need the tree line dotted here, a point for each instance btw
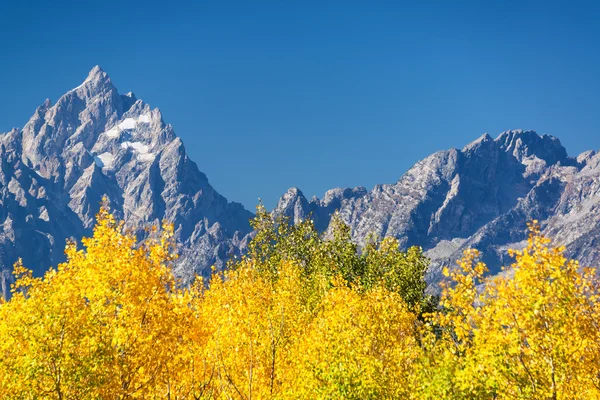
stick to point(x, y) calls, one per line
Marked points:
point(300, 316)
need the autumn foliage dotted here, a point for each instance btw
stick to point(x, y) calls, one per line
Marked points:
point(302, 316)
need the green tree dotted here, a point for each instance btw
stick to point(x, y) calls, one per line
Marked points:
point(380, 263)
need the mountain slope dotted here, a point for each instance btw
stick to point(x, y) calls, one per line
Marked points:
point(96, 142)
point(481, 196)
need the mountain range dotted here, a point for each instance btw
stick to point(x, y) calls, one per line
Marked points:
point(95, 141)
point(481, 196)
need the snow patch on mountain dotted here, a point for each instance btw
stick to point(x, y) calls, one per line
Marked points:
point(104, 160)
point(126, 125)
point(144, 119)
point(54, 173)
point(137, 146)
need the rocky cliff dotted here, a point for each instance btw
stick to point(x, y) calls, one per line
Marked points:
point(481, 196)
point(95, 142)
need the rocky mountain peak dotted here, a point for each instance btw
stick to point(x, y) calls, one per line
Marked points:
point(96, 87)
point(293, 204)
point(95, 142)
point(526, 144)
point(293, 193)
point(45, 106)
point(97, 75)
point(482, 141)
point(481, 197)
point(586, 156)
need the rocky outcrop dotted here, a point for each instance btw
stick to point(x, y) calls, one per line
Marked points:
point(481, 196)
point(95, 142)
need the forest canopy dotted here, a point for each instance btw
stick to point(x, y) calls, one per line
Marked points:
point(301, 316)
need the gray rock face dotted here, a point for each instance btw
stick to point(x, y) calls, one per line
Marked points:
point(479, 197)
point(96, 142)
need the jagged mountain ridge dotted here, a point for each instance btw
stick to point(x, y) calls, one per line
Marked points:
point(481, 196)
point(94, 142)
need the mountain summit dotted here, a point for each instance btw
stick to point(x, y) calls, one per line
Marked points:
point(94, 142)
point(481, 196)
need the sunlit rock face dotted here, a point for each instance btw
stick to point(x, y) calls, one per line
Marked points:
point(481, 196)
point(95, 142)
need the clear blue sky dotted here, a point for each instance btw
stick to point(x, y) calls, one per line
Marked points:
point(272, 94)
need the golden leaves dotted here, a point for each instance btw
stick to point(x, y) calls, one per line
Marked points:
point(299, 317)
point(529, 333)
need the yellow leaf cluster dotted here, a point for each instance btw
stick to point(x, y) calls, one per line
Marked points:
point(300, 318)
point(529, 333)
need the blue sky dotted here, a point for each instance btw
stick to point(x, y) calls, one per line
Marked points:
point(272, 94)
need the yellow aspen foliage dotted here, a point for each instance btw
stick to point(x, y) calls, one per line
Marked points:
point(300, 317)
point(358, 346)
point(529, 333)
point(105, 324)
point(250, 323)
